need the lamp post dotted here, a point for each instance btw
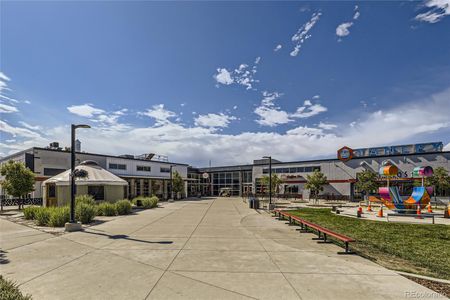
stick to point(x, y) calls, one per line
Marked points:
point(270, 180)
point(171, 184)
point(72, 226)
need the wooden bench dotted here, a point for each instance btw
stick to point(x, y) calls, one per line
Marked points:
point(304, 224)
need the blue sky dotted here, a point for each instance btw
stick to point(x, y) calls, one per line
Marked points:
point(225, 81)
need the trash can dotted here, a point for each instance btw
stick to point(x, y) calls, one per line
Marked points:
point(256, 204)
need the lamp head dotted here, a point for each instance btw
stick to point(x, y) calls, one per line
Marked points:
point(82, 126)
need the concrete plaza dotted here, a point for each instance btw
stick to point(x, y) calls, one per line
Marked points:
point(204, 249)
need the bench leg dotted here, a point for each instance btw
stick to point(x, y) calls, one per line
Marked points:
point(347, 250)
point(325, 241)
point(318, 237)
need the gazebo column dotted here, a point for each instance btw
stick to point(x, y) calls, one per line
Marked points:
point(132, 188)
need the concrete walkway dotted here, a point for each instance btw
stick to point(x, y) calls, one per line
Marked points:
point(206, 249)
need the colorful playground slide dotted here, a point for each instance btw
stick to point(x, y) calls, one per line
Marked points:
point(419, 196)
point(391, 197)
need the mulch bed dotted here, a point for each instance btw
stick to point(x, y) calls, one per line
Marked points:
point(439, 287)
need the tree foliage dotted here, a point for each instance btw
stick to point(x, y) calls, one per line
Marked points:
point(440, 180)
point(276, 182)
point(315, 183)
point(177, 183)
point(18, 180)
point(367, 181)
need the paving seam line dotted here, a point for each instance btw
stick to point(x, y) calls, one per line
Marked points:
point(205, 213)
point(278, 267)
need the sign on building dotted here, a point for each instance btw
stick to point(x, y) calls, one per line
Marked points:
point(346, 153)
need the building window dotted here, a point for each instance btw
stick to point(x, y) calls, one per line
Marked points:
point(144, 168)
point(118, 166)
point(165, 170)
point(52, 171)
point(97, 191)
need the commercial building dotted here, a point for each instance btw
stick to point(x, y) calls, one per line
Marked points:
point(144, 175)
point(341, 172)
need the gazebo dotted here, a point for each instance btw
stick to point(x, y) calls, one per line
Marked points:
point(99, 183)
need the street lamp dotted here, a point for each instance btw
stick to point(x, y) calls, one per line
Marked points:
point(72, 226)
point(270, 179)
point(171, 184)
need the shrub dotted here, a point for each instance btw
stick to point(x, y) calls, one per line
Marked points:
point(42, 216)
point(154, 200)
point(138, 201)
point(85, 213)
point(59, 216)
point(9, 290)
point(123, 207)
point(106, 209)
point(29, 212)
point(87, 199)
point(149, 202)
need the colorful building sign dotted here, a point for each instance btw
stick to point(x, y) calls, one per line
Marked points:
point(346, 153)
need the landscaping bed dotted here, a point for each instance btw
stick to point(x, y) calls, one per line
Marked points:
point(415, 248)
point(10, 291)
point(86, 209)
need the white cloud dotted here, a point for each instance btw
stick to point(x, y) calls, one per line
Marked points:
point(302, 34)
point(327, 126)
point(271, 115)
point(18, 131)
point(277, 48)
point(243, 75)
point(160, 114)
point(197, 144)
point(223, 76)
point(308, 110)
point(235, 107)
point(316, 97)
point(26, 125)
point(357, 13)
point(6, 109)
point(438, 9)
point(342, 29)
point(85, 110)
point(213, 120)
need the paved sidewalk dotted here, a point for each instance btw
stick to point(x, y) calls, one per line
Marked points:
point(205, 249)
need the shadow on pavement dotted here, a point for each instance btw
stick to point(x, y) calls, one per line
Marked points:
point(126, 237)
point(3, 259)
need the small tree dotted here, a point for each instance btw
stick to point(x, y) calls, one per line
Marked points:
point(18, 181)
point(367, 182)
point(177, 182)
point(440, 180)
point(315, 183)
point(276, 182)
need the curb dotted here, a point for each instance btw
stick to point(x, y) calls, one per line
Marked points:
point(424, 277)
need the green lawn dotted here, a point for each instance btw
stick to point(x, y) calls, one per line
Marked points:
point(420, 249)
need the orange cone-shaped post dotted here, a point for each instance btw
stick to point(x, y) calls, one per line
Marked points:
point(359, 211)
point(419, 212)
point(369, 208)
point(447, 212)
point(429, 208)
point(380, 212)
